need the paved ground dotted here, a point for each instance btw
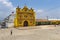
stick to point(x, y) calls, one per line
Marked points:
point(46, 32)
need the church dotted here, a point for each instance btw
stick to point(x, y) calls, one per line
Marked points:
point(24, 17)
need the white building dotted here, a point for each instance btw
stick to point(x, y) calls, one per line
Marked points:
point(10, 20)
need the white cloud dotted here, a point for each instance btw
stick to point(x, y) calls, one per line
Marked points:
point(6, 8)
point(7, 3)
point(39, 11)
point(52, 13)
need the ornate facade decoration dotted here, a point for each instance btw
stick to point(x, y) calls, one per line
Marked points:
point(24, 17)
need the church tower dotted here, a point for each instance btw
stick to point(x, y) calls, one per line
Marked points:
point(24, 17)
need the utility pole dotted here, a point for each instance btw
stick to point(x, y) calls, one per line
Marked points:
point(47, 18)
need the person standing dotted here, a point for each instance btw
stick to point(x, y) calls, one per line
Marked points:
point(11, 32)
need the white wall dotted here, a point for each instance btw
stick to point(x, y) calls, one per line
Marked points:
point(9, 24)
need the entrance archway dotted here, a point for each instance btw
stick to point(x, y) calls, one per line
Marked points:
point(25, 23)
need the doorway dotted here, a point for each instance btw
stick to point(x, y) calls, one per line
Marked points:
point(25, 23)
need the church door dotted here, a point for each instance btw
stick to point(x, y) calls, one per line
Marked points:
point(25, 23)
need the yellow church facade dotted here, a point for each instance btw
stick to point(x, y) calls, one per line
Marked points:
point(24, 17)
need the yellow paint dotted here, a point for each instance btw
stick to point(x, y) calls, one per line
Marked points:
point(23, 15)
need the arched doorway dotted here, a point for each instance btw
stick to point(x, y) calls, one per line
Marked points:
point(25, 23)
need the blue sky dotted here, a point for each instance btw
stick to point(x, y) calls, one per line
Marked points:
point(43, 8)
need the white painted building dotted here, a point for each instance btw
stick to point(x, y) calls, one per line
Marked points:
point(10, 20)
